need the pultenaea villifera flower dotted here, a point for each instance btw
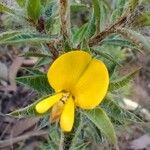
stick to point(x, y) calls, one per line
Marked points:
point(79, 81)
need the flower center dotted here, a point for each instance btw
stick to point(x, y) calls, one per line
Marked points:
point(65, 96)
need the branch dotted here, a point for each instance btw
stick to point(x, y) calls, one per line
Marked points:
point(64, 12)
point(111, 29)
point(61, 144)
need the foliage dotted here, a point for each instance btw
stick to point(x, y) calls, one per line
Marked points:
point(107, 30)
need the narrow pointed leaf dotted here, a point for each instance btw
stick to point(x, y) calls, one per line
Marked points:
point(37, 82)
point(106, 55)
point(80, 35)
point(77, 7)
point(142, 20)
point(91, 29)
point(97, 13)
point(142, 42)
point(122, 43)
point(117, 84)
point(14, 38)
point(21, 3)
point(103, 123)
point(119, 115)
point(133, 4)
point(34, 8)
point(28, 111)
point(6, 35)
point(6, 9)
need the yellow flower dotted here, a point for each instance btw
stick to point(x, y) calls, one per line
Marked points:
point(79, 81)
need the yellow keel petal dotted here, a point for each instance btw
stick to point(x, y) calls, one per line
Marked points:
point(67, 116)
point(44, 105)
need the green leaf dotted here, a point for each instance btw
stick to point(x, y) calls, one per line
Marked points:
point(97, 13)
point(117, 84)
point(43, 61)
point(142, 20)
point(122, 43)
point(21, 3)
point(91, 29)
point(16, 37)
point(142, 42)
point(79, 35)
point(34, 8)
point(103, 123)
point(6, 35)
point(106, 55)
point(116, 14)
point(133, 4)
point(77, 7)
point(28, 111)
point(118, 115)
point(33, 71)
point(38, 82)
point(6, 9)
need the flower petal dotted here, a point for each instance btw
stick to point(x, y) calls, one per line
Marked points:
point(66, 70)
point(92, 86)
point(44, 105)
point(67, 116)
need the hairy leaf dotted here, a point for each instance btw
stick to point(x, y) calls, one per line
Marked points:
point(34, 9)
point(142, 42)
point(117, 84)
point(28, 111)
point(122, 43)
point(21, 3)
point(103, 123)
point(97, 13)
point(6, 9)
point(77, 7)
point(142, 20)
point(38, 82)
point(80, 35)
point(6, 35)
point(91, 29)
point(15, 37)
point(106, 55)
point(118, 115)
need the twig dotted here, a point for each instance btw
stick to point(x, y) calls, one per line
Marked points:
point(111, 29)
point(11, 141)
point(61, 144)
point(41, 29)
point(53, 50)
point(64, 12)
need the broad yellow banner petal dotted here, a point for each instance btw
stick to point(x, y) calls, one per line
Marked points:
point(66, 70)
point(67, 116)
point(92, 85)
point(44, 105)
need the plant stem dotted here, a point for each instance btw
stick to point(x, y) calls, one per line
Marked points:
point(64, 12)
point(61, 144)
point(111, 29)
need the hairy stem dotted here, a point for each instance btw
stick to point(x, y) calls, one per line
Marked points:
point(64, 12)
point(111, 29)
point(61, 144)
